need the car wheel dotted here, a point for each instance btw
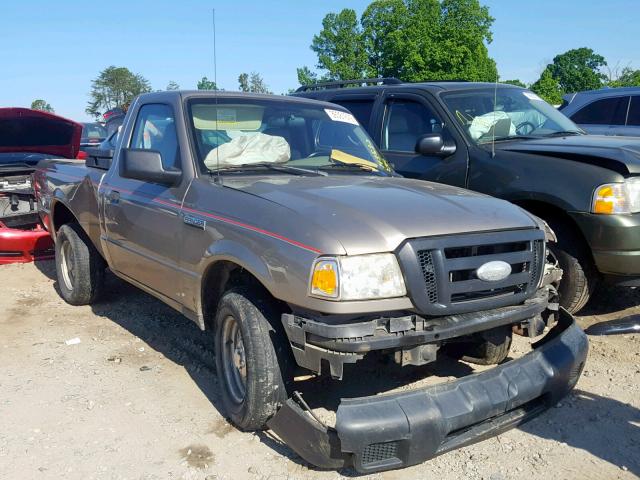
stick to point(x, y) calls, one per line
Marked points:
point(79, 266)
point(579, 278)
point(490, 347)
point(252, 359)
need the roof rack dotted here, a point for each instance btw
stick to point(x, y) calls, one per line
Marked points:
point(343, 83)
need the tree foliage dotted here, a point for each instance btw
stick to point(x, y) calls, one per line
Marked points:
point(252, 82)
point(115, 87)
point(627, 78)
point(414, 40)
point(578, 69)
point(340, 46)
point(548, 88)
point(172, 85)
point(516, 82)
point(40, 104)
point(205, 84)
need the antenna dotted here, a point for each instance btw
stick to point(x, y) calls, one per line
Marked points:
point(495, 103)
point(215, 93)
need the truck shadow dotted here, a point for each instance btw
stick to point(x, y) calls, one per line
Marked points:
point(604, 427)
point(608, 299)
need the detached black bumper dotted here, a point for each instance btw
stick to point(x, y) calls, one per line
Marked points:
point(397, 430)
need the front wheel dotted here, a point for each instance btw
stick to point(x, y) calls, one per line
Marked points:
point(579, 277)
point(490, 347)
point(79, 266)
point(251, 359)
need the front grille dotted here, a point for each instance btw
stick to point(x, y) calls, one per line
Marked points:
point(442, 272)
point(377, 452)
point(428, 272)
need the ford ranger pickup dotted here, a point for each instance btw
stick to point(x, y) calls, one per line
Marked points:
point(275, 223)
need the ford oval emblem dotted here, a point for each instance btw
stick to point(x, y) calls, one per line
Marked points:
point(494, 271)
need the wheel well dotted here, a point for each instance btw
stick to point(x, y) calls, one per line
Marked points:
point(61, 215)
point(551, 213)
point(220, 277)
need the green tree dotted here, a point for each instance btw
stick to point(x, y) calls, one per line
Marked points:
point(173, 85)
point(627, 78)
point(413, 40)
point(252, 82)
point(548, 88)
point(115, 87)
point(43, 105)
point(516, 82)
point(578, 69)
point(206, 84)
point(340, 46)
point(306, 76)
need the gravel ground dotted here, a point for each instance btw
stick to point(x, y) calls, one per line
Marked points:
point(126, 388)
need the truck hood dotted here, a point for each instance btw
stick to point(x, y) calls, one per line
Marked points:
point(33, 131)
point(374, 214)
point(620, 154)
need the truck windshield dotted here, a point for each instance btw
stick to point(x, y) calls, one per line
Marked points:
point(234, 134)
point(506, 113)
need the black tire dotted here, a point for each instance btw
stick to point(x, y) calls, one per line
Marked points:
point(79, 266)
point(265, 354)
point(486, 348)
point(579, 278)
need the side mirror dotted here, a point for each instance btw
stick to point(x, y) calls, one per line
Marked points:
point(146, 165)
point(99, 158)
point(433, 144)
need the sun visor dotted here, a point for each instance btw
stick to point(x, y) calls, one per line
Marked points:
point(227, 117)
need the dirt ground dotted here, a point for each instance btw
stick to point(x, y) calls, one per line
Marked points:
point(135, 397)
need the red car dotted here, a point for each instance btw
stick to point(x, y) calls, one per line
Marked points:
point(26, 137)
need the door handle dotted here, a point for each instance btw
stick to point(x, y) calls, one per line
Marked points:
point(113, 197)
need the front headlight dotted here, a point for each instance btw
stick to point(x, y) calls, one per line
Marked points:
point(617, 197)
point(360, 277)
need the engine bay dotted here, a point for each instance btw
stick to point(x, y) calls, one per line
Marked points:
point(18, 208)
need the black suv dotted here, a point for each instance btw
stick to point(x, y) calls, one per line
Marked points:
point(506, 141)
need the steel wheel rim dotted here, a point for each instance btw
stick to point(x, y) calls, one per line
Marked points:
point(234, 363)
point(66, 264)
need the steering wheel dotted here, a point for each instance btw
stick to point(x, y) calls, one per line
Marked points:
point(525, 128)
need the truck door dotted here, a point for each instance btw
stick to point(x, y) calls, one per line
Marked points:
point(401, 120)
point(142, 222)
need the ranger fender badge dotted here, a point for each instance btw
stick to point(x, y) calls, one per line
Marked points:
point(194, 221)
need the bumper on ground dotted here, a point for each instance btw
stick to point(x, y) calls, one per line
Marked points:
point(401, 429)
point(22, 246)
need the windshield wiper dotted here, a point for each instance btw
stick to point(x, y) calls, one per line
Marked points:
point(271, 166)
point(351, 166)
point(564, 133)
point(509, 137)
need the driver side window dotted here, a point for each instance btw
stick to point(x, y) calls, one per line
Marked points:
point(405, 122)
point(155, 129)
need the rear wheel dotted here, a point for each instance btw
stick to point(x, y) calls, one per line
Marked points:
point(79, 266)
point(252, 359)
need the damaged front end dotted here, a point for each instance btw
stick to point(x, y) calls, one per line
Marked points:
point(26, 137)
point(22, 237)
point(396, 430)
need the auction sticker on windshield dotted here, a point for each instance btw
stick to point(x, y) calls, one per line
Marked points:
point(338, 116)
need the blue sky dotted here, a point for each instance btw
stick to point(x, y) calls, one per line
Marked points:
point(52, 50)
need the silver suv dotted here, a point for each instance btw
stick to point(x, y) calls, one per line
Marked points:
point(608, 111)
